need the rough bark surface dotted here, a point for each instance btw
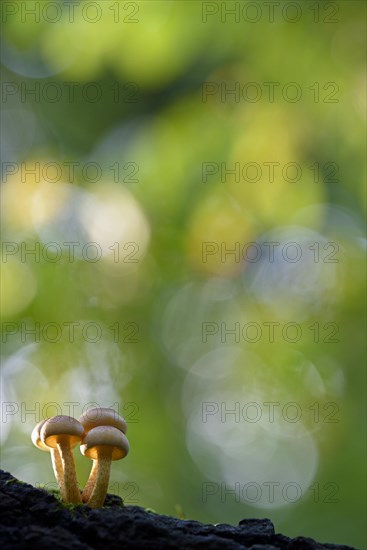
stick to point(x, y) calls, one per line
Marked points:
point(33, 518)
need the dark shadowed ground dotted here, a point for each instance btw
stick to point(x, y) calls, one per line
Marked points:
point(33, 518)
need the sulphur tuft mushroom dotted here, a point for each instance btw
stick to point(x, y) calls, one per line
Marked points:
point(103, 444)
point(92, 418)
point(55, 456)
point(63, 433)
point(101, 416)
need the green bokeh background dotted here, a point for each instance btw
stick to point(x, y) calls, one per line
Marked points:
point(151, 63)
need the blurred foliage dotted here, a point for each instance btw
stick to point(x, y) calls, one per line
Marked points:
point(157, 124)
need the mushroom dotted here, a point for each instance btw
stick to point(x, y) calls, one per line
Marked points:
point(101, 416)
point(103, 444)
point(92, 418)
point(63, 433)
point(55, 456)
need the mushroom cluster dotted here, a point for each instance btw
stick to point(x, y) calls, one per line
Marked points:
point(101, 435)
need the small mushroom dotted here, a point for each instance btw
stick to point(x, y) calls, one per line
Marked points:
point(63, 433)
point(55, 456)
point(101, 416)
point(92, 418)
point(103, 444)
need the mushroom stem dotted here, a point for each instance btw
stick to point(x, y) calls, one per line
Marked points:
point(90, 483)
point(58, 471)
point(71, 488)
point(99, 491)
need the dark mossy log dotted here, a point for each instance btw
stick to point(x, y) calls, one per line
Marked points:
point(34, 518)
